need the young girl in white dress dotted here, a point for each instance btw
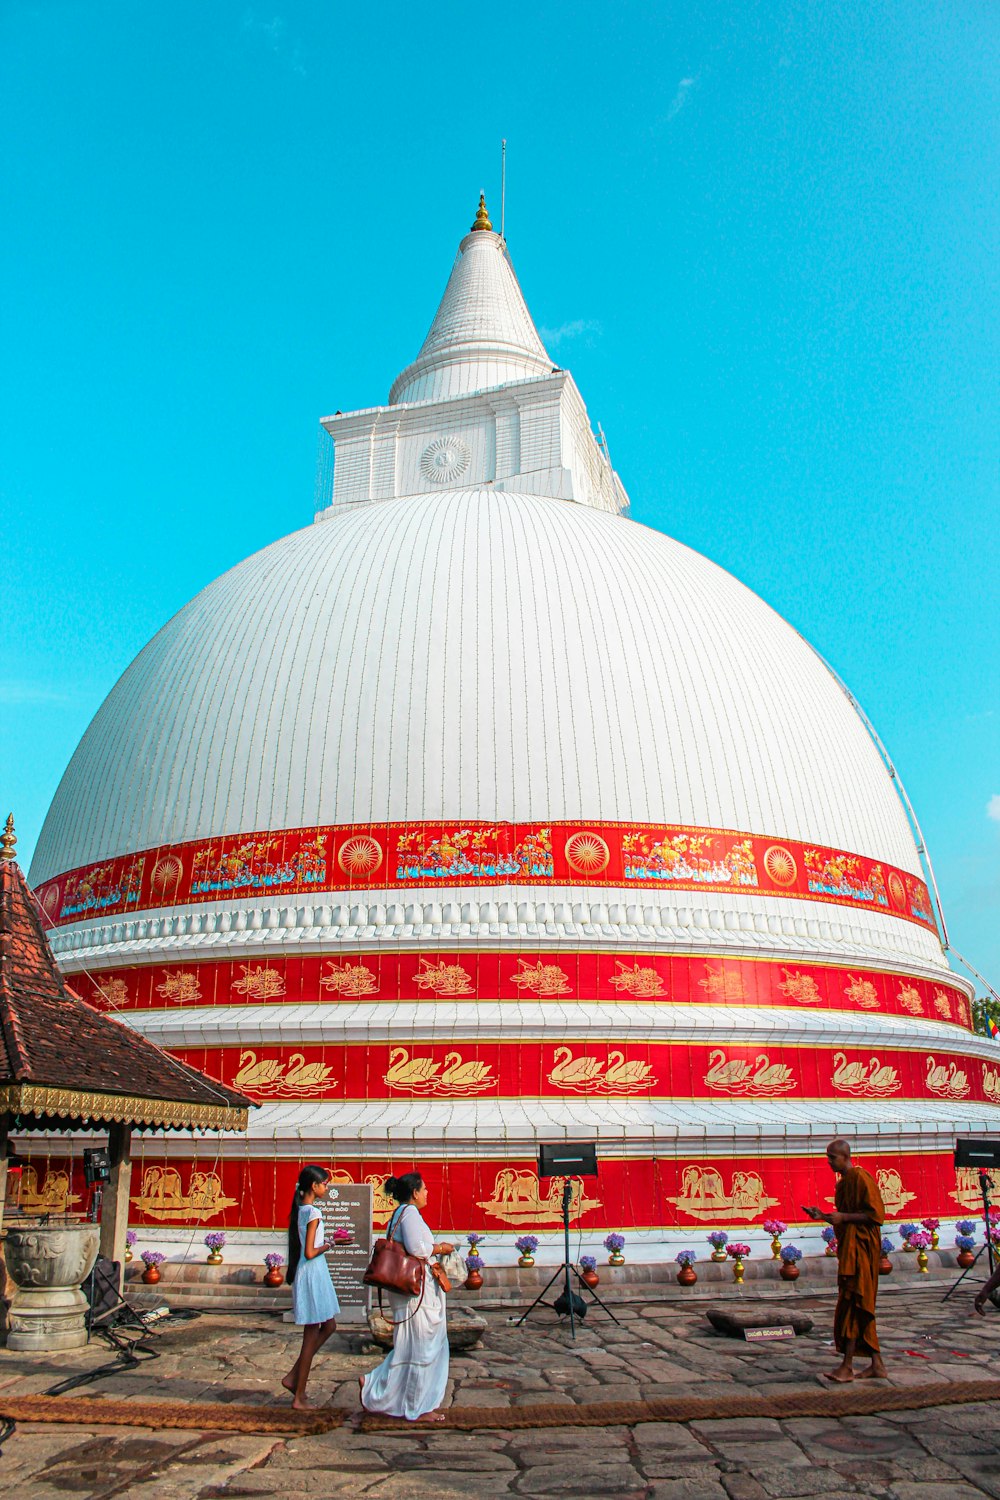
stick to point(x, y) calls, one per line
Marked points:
point(410, 1382)
point(314, 1301)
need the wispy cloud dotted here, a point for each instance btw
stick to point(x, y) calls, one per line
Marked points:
point(677, 103)
point(553, 337)
point(993, 807)
point(16, 691)
point(273, 32)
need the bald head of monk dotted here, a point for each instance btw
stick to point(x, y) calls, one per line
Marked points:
point(838, 1154)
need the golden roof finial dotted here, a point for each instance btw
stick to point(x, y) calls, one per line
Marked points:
point(9, 839)
point(482, 217)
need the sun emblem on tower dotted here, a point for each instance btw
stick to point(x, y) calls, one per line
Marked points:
point(165, 879)
point(587, 853)
point(444, 460)
point(780, 865)
point(897, 891)
point(359, 856)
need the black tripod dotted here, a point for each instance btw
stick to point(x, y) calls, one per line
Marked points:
point(985, 1183)
point(564, 1271)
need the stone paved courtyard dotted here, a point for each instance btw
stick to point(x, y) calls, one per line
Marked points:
point(662, 1349)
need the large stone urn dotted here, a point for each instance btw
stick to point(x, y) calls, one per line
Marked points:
point(47, 1263)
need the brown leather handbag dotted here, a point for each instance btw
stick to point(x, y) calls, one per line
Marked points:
point(392, 1270)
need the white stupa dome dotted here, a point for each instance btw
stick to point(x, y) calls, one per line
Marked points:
point(476, 805)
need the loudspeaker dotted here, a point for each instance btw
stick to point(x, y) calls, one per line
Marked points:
point(566, 1160)
point(984, 1154)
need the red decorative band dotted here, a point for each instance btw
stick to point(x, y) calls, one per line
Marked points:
point(682, 1193)
point(590, 977)
point(582, 1066)
point(400, 856)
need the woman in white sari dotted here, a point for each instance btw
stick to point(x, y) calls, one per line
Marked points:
point(410, 1382)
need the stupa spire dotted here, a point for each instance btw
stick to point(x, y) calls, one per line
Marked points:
point(8, 839)
point(482, 334)
point(482, 220)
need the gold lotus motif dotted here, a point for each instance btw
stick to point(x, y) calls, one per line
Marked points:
point(721, 985)
point(942, 1004)
point(180, 986)
point(517, 1199)
point(862, 992)
point(800, 987)
point(542, 979)
point(349, 979)
point(114, 992)
point(444, 979)
point(644, 984)
point(259, 982)
point(909, 999)
point(703, 1195)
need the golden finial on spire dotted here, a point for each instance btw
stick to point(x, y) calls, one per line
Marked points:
point(9, 839)
point(482, 217)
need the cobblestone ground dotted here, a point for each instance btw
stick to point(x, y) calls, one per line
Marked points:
point(661, 1349)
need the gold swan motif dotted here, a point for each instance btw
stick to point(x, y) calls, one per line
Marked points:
point(723, 1074)
point(582, 1074)
point(771, 1077)
point(882, 1078)
point(625, 1077)
point(991, 1083)
point(303, 1077)
point(463, 1077)
point(416, 1073)
point(948, 1080)
point(260, 1077)
point(848, 1076)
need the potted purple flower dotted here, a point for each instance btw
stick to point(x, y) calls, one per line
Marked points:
point(906, 1230)
point(687, 1275)
point(588, 1269)
point(739, 1254)
point(932, 1226)
point(920, 1241)
point(152, 1260)
point(965, 1239)
point(790, 1257)
point(474, 1270)
point(215, 1240)
point(526, 1245)
point(829, 1237)
point(616, 1244)
point(273, 1274)
point(885, 1264)
point(718, 1240)
point(775, 1228)
point(130, 1239)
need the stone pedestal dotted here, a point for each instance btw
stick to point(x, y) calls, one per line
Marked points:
point(47, 1263)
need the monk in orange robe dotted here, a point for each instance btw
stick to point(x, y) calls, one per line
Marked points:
point(858, 1220)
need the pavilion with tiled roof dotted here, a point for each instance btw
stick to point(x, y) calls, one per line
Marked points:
point(64, 1066)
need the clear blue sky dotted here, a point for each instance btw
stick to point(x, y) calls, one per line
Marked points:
point(764, 238)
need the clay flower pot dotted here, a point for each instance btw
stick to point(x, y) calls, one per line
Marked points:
point(789, 1271)
point(473, 1281)
point(885, 1266)
point(590, 1277)
point(687, 1276)
point(965, 1259)
point(151, 1275)
point(275, 1276)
